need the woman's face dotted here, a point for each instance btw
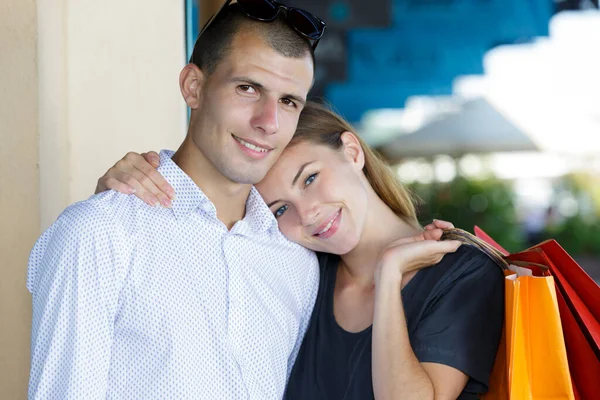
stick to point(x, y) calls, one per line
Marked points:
point(319, 195)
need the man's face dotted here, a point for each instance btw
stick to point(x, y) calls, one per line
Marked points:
point(248, 108)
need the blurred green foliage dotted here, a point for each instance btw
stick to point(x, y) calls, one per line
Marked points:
point(490, 204)
point(487, 203)
point(579, 234)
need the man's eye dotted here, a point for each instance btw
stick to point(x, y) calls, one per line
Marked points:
point(288, 102)
point(246, 88)
point(279, 212)
point(310, 179)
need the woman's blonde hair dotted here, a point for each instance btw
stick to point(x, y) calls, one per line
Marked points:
point(320, 125)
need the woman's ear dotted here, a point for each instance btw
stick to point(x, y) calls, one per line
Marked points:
point(191, 80)
point(353, 151)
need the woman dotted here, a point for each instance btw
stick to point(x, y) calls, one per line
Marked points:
point(383, 325)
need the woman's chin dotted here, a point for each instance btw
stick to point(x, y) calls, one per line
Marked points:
point(329, 245)
point(336, 248)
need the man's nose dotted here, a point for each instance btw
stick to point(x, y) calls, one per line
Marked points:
point(266, 117)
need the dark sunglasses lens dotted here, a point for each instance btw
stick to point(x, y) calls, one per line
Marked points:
point(306, 23)
point(260, 9)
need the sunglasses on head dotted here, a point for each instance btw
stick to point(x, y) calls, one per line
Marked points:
point(305, 23)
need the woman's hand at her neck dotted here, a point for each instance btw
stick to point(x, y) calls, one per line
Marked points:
point(397, 373)
point(411, 254)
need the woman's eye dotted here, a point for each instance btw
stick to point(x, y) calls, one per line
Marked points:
point(279, 212)
point(310, 179)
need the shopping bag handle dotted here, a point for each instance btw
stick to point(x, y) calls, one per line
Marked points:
point(493, 253)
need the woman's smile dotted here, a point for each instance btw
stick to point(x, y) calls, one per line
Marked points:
point(330, 226)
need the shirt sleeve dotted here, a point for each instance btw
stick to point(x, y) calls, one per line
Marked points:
point(462, 323)
point(74, 278)
point(312, 283)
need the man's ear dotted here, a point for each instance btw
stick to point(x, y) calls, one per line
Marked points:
point(191, 80)
point(353, 151)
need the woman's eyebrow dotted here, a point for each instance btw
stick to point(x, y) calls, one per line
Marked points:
point(273, 202)
point(300, 172)
point(293, 181)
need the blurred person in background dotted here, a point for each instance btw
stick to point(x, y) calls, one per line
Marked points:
point(384, 326)
point(215, 303)
point(536, 223)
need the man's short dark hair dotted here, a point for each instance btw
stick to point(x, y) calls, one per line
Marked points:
point(214, 44)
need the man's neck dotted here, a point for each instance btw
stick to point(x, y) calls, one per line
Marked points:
point(229, 198)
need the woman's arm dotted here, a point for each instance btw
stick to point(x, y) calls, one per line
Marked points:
point(397, 373)
point(136, 174)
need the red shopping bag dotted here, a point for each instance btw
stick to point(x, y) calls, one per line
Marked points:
point(578, 298)
point(581, 292)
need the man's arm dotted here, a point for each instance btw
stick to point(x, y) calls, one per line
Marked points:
point(74, 276)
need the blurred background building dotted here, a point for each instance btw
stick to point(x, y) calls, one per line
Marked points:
point(488, 109)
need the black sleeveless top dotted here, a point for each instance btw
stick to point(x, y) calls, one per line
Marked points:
point(454, 312)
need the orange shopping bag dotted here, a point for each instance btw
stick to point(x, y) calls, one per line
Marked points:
point(536, 355)
point(531, 363)
point(579, 308)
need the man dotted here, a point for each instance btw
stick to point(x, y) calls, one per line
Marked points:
point(205, 299)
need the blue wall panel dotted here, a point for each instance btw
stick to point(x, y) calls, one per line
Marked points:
point(429, 44)
point(353, 99)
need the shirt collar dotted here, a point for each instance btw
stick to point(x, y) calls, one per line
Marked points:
point(258, 216)
point(189, 197)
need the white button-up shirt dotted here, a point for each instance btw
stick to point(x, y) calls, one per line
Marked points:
point(139, 302)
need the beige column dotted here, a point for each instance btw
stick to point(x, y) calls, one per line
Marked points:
point(82, 82)
point(109, 83)
point(19, 187)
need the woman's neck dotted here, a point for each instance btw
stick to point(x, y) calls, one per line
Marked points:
point(382, 227)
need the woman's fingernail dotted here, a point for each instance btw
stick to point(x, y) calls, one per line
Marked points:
point(153, 201)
